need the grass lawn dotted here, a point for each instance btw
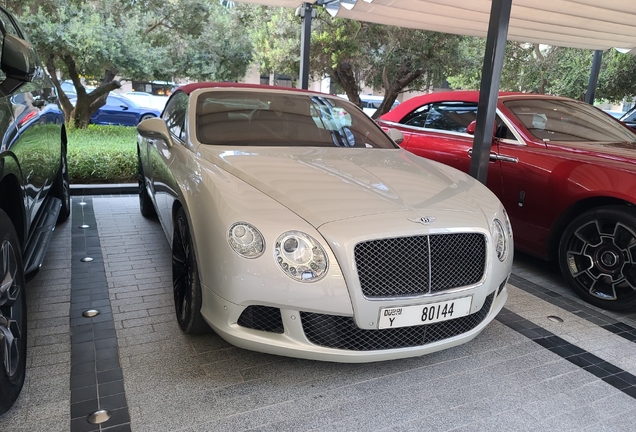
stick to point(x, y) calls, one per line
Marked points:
point(102, 154)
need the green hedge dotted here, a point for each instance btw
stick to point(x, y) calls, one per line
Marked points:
point(102, 154)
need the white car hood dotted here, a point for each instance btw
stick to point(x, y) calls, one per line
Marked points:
point(328, 184)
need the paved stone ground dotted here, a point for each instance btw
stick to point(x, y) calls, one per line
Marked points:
point(44, 402)
point(501, 381)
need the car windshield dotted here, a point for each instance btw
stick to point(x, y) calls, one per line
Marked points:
point(563, 120)
point(284, 119)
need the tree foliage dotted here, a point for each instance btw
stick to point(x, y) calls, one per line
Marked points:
point(352, 53)
point(550, 70)
point(132, 39)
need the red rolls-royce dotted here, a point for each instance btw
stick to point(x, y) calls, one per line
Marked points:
point(564, 170)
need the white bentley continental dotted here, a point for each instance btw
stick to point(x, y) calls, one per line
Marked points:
point(298, 227)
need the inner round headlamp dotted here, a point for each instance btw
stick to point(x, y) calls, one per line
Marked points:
point(300, 256)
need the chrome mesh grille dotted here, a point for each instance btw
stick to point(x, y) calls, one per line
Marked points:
point(342, 333)
point(263, 318)
point(399, 267)
point(457, 260)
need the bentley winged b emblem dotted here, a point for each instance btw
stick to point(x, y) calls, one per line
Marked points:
point(426, 220)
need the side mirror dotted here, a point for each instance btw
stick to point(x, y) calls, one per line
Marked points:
point(19, 63)
point(470, 129)
point(154, 128)
point(18, 58)
point(395, 135)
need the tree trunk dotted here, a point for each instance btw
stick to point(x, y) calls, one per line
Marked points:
point(344, 76)
point(393, 88)
point(88, 103)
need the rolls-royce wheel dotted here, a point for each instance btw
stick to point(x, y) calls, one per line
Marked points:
point(145, 203)
point(185, 279)
point(61, 188)
point(13, 320)
point(597, 255)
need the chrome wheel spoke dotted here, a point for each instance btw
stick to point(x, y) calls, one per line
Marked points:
point(10, 309)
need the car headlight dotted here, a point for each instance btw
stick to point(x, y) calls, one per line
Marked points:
point(300, 256)
point(500, 239)
point(246, 240)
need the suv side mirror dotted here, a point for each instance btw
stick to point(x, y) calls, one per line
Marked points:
point(19, 63)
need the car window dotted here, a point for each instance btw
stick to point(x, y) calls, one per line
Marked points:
point(8, 25)
point(284, 119)
point(568, 120)
point(451, 116)
point(629, 117)
point(175, 113)
point(417, 117)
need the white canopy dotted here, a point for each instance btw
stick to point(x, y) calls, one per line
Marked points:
point(591, 24)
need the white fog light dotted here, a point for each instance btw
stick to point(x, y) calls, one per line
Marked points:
point(300, 256)
point(500, 239)
point(246, 240)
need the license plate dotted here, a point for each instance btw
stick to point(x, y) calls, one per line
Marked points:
point(408, 316)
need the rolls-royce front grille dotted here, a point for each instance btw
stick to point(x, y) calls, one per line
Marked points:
point(408, 266)
point(342, 333)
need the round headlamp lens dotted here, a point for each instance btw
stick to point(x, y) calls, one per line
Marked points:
point(500, 239)
point(300, 256)
point(246, 240)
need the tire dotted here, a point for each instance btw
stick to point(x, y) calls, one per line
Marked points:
point(597, 256)
point(146, 207)
point(61, 188)
point(185, 279)
point(13, 319)
point(145, 116)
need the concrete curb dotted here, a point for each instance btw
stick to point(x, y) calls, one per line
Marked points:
point(104, 189)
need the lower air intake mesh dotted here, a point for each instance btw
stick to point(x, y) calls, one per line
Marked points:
point(342, 333)
point(263, 318)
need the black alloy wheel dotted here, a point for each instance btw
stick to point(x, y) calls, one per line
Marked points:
point(597, 256)
point(61, 188)
point(146, 208)
point(13, 320)
point(185, 279)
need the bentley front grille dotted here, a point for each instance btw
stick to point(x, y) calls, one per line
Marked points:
point(408, 266)
point(342, 333)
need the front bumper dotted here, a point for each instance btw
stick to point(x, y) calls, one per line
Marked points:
point(296, 338)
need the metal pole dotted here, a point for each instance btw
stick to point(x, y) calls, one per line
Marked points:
point(591, 86)
point(490, 80)
point(305, 38)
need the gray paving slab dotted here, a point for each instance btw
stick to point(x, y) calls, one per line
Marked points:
point(499, 381)
point(45, 399)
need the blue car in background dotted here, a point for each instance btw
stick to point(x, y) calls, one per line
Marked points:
point(120, 110)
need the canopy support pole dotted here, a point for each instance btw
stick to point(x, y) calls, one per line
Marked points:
point(596, 68)
point(489, 90)
point(306, 12)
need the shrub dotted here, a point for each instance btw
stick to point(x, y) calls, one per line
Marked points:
point(102, 154)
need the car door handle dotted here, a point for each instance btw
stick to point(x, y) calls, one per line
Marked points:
point(492, 157)
point(497, 157)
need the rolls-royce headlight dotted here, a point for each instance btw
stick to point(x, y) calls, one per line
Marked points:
point(246, 240)
point(500, 239)
point(300, 256)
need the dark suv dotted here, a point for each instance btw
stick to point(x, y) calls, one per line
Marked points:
point(34, 193)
